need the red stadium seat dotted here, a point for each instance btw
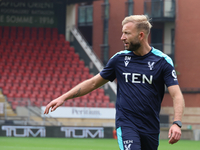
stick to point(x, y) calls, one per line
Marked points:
point(31, 82)
point(58, 89)
point(106, 99)
point(81, 64)
point(84, 99)
point(77, 99)
point(111, 105)
point(48, 97)
point(82, 104)
point(38, 103)
point(14, 104)
point(100, 91)
point(105, 105)
point(32, 100)
point(42, 68)
point(23, 103)
point(40, 97)
point(97, 104)
point(55, 95)
point(67, 103)
point(91, 98)
point(90, 104)
point(18, 95)
point(6, 90)
point(66, 88)
point(71, 50)
point(99, 99)
point(45, 103)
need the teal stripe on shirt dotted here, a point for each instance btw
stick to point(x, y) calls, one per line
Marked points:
point(121, 52)
point(119, 138)
point(161, 54)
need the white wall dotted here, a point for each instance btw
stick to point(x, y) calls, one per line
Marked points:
point(168, 10)
point(167, 36)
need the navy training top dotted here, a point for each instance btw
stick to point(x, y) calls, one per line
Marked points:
point(141, 84)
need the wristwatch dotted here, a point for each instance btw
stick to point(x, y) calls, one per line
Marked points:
point(178, 123)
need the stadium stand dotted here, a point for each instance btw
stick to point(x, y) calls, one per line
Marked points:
point(38, 65)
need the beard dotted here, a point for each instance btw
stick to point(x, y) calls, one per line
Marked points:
point(134, 46)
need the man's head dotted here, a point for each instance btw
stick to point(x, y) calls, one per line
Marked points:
point(135, 29)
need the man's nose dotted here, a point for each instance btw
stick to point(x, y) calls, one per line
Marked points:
point(122, 37)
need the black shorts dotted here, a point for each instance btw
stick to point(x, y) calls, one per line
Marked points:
point(131, 139)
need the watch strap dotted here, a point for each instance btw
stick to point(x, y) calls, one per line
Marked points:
point(178, 123)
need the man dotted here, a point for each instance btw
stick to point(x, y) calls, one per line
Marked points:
point(142, 73)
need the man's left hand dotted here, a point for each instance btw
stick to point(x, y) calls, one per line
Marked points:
point(174, 134)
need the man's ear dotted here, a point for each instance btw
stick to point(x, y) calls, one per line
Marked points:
point(141, 36)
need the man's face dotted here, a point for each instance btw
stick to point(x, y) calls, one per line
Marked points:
point(130, 37)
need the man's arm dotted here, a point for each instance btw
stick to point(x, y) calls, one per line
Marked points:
point(179, 104)
point(81, 89)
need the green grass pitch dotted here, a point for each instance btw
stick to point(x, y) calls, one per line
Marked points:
point(13, 143)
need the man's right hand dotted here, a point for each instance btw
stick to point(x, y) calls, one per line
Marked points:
point(54, 104)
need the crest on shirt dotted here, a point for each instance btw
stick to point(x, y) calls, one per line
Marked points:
point(127, 60)
point(127, 144)
point(174, 74)
point(151, 65)
point(127, 147)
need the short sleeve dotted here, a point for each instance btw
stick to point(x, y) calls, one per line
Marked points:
point(170, 77)
point(108, 72)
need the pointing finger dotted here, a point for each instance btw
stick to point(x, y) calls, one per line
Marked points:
point(54, 108)
point(47, 108)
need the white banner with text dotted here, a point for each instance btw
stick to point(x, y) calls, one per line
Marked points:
point(82, 112)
